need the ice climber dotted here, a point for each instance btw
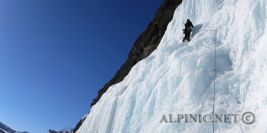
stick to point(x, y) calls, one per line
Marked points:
point(187, 30)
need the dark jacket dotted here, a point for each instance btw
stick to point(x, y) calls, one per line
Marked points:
point(188, 27)
point(188, 24)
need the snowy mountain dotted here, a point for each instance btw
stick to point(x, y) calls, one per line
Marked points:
point(215, 83)
point(62, 131)
point(6, 129)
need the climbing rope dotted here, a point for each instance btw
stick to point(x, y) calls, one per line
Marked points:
point(214, 87)
point(215, 74)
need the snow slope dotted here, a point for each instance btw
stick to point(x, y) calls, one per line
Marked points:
point(179, 78)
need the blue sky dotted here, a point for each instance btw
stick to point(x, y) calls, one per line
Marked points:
point(56, 54)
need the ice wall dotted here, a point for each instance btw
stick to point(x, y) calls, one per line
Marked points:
point(179, 77)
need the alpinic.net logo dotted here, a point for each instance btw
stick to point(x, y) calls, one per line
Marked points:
point(246, 118)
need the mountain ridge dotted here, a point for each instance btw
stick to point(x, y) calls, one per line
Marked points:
point(61, 131)
point(6, 129)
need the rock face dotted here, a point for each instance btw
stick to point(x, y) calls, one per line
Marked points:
point(145, 44)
